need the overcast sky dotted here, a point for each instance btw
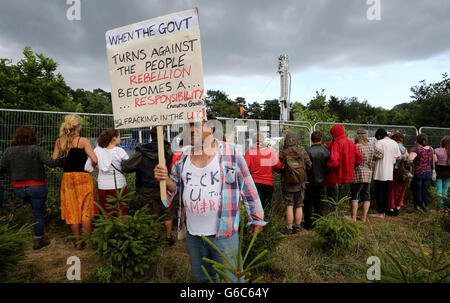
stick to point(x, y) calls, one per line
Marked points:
point(331, 44)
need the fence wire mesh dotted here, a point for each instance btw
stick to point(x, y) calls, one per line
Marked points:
point(435, 135)
point(410, 132)
point(242, 132)
point(238, 131)
point(47, 124)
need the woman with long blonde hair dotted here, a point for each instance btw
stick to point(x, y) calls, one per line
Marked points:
point(77, 186)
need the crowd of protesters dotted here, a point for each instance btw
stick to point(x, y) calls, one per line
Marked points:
point(211, 178)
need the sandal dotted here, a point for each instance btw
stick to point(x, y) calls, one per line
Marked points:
point(79, 246)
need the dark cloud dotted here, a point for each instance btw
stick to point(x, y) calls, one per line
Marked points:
point(238, 37)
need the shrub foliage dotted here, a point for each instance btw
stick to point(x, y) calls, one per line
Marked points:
point(126, 244)
point(335, 233)
point(13, 242)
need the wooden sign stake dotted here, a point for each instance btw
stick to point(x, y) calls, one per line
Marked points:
point(162, 160)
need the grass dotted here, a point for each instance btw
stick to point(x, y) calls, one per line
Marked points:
point(297, 254)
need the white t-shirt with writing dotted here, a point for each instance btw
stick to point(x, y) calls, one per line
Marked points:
point(384, 169)
point(201, 197)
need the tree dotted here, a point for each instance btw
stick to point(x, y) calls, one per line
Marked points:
point(220, 105)
point(318, 103)
point(317, 110)
point(34, 83)
point(254, 111)
point(97, 101)
point(337, 106)
point(431, 103)
point(271, 110)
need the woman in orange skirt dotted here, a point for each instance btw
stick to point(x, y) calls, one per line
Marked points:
point(77, 186)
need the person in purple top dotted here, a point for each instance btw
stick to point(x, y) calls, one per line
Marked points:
point(422, 157)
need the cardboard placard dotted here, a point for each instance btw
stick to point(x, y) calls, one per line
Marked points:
point(156, 72)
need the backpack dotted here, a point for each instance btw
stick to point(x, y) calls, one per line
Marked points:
point(295, 171)
point(404, 171)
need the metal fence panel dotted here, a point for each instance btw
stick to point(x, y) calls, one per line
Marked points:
point(239, 131)
point(435, 134)
point(242, 131)
point(47, 124)
point(410, 132)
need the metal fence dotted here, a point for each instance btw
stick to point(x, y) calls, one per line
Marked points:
point(242, 131)
point(239, 131)
point(47, 124)
point(435, 134)
point(410, 132)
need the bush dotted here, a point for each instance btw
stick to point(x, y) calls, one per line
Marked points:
point(269, 237)
point(241, 270)
point(101, 275)
point(17, 211)
point(126, 244)
point(445, 220)
point(13, 242)
point(423, 264)
point(335, 233)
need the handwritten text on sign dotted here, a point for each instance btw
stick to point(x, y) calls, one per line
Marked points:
point(156, 71)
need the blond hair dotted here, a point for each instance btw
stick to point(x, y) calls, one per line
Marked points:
point(361, 139)
point(67, 132)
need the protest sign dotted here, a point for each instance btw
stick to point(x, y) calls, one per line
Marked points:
point(156, 72)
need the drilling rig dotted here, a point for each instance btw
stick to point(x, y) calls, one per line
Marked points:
point(283, 70)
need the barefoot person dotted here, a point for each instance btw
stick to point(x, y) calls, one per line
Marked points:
point(77, 186)
point(360, 188)
point(211, 180)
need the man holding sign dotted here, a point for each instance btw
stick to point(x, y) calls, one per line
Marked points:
point(156, 75)
point(211, 179)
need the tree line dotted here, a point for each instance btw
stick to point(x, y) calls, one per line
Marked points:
point(34, 83)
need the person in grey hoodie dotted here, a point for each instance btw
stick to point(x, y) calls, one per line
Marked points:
point(24, 163)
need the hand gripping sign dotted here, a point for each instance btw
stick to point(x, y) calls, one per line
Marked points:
point(156, 73)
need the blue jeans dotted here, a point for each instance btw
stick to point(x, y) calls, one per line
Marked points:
point(442, 189)
point(421, 183)
point(37, 196)
point(198, 249)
